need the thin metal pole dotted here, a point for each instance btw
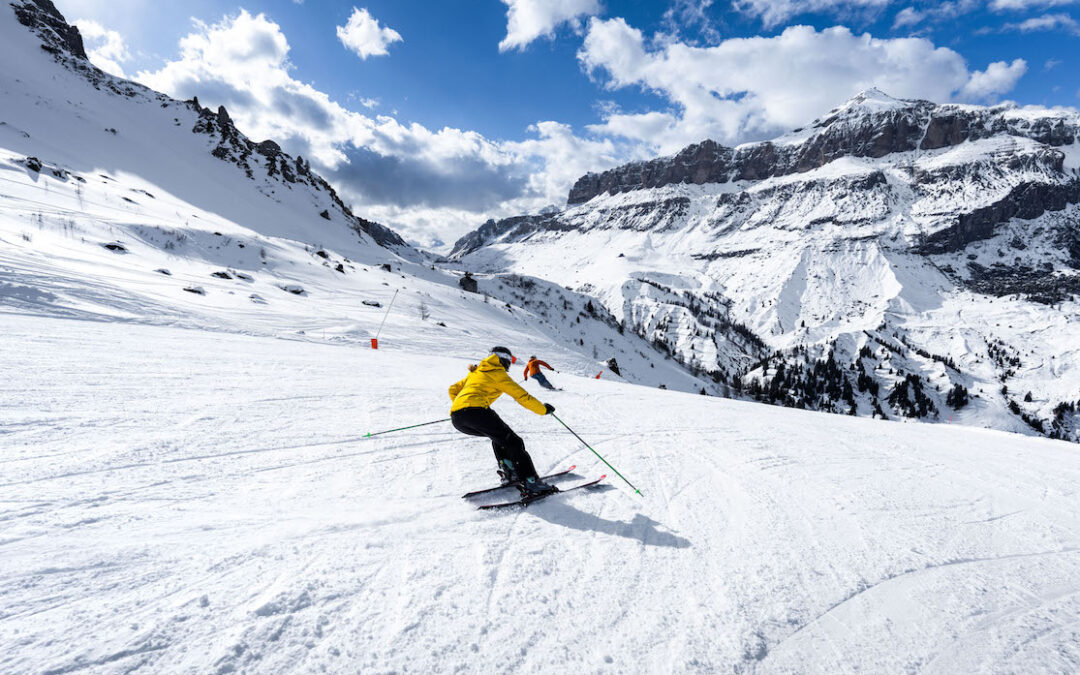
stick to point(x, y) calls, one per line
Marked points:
point(598, 455)
point(386, 315)
point(378, 433)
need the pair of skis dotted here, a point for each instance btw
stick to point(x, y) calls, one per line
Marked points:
point(525, 501)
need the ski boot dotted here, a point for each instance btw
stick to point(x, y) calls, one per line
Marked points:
point(508, 474)
point(534, 487)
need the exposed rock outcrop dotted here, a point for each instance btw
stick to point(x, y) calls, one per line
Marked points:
point(65, 43)
point(849, 131)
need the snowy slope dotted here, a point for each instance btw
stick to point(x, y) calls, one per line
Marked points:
point(119, 203)
point(950, 232)
point(183, 501)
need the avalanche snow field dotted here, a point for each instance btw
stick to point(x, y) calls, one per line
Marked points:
point(179, 501)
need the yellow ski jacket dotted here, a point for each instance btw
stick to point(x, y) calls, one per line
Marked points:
point(488, 382)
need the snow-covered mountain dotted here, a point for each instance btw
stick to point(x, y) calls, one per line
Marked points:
point(118, 202)
point(188, 483)
point(58, 105)
point(894, 258)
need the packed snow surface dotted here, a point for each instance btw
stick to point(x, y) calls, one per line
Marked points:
point(196, 502)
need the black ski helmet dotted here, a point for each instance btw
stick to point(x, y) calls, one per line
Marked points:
point(505, 357)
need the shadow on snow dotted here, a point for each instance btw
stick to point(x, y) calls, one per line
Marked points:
point(643, 529)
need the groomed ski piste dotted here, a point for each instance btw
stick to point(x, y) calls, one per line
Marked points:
point(188, 501)
point(187, 484)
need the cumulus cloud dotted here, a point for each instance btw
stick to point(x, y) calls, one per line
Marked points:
point(439, 183)
point(242, 63)
point(998, 78)
point(752, 88)
point(105, 47)
point(405, 175)
point(363, 35)
point(527, 20)
point(775, 12)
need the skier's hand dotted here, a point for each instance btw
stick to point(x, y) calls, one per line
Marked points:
point(549, 408)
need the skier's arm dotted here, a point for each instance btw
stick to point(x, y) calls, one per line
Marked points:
point(508, 386)
point(526, 371)
point(544, 364)
point(456, 387)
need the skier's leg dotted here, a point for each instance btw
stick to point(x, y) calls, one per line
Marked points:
point(504, 442)
point(512, 447)
point(542, 379)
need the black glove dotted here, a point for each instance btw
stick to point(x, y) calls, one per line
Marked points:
point(549, 408)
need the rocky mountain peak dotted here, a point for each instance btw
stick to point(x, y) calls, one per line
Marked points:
point(57, 35)
point(229, 144)
point(872, 124)
point(873, 99)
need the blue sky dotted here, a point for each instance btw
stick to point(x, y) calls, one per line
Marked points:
point(434, 116)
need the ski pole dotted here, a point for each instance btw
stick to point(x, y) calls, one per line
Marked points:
point(598, 455)
point(379, 433)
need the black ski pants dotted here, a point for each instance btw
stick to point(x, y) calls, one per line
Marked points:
point(506, 444)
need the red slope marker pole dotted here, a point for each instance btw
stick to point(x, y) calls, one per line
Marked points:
point(375, 340)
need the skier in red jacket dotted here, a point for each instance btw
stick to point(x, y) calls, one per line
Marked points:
point(532, 369)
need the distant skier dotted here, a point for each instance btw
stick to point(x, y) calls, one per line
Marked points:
point(532, 368)
point(471, 414)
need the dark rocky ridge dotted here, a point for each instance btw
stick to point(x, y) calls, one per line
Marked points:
point(65, 43)
point(917, 125)
point(57, 36)
point(233, 146)
point(518, 226)
point(1026, 202)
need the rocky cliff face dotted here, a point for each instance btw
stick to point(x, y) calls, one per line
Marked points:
point(233, 146)
point(853, 130)
point(869, 263)
point(57, 36)
point(265, 161)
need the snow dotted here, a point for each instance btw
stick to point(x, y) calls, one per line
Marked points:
point(186, 484)
point(831, 257)
point(186, 501)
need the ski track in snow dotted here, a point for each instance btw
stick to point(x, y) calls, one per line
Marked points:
point(184, 501)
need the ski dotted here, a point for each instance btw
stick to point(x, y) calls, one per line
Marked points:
point(525, 501)
point(470, 495)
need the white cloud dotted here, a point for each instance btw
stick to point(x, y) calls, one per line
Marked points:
point(998, 78)
point(565, 157)
point(363, 35)
point(1062, 22)
point(775, 12)
point(909, 16)
point(105, 47)
point(751, 88)
point(424, 182)
point(527, 20)
point(441, 183)
point(1020, 5)
point(934, 12)
point(1051, 64)
point(690, 13)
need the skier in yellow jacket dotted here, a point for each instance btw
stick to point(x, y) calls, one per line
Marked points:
point(471, 414)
